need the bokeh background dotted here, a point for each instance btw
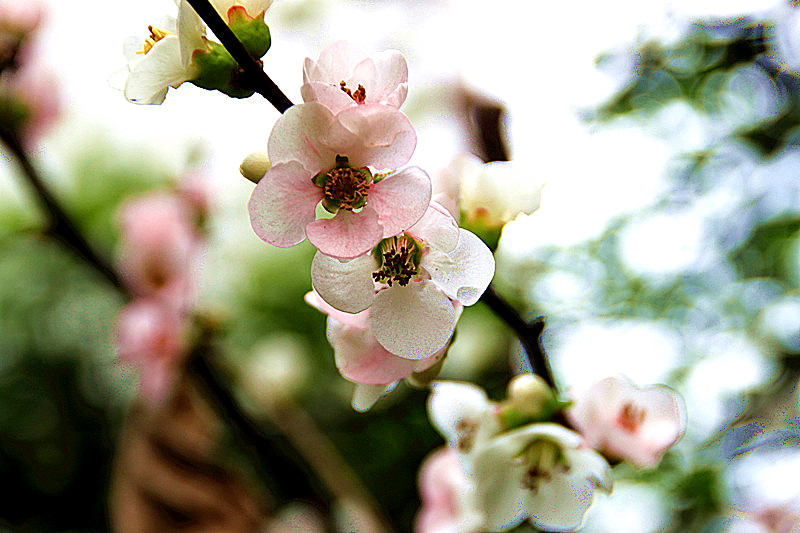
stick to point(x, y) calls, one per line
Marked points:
point(667, 246)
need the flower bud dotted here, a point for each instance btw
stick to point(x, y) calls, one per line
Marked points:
point(529, 399)
point(254, 166)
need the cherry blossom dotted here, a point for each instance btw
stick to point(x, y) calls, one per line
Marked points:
point(319, 158)
point(627, 422)
point(344, 76)
point(408, 283)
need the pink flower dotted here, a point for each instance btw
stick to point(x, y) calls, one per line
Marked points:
point(20, 18)
point(346, 77)
point(447, 494)
point(409, 282)
point(359, 356)
point(34, 89)
point(321, 158)
point(157, 249)
point(627, 422)
point(152, 336)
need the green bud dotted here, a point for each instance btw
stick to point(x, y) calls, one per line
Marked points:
point(529, 399)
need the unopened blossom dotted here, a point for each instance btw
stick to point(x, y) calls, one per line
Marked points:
point(152, 337)
point(627, 422)
point(344, 76)
point(158, 244)
point(448, 496)
point(491, 194)
point(347, 163)
point(539, 472)
point(409, 282)
point(361, 359)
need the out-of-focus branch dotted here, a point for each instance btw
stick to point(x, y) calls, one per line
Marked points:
point(262, 83)
point(60, 225)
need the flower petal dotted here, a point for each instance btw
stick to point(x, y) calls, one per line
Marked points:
point(357, 320)
point(346, 285)
point(464, 273)
point(391, 84)
point(401, 199)
point(452, 402)
point(191, 31)
point(500, 493)
point(347, 235)
point(158, 70)
point(437, 229)
point(414, 321)
point(283, 204)
point(365, 396)
point(376, 135)
point(300, 135)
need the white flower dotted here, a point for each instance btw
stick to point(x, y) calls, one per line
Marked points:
point(539, 472)
point(418, 273)
point(463, 414)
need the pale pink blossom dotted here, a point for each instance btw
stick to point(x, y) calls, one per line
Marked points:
point(409, 283)
point(344, 76)
point(627, 422)
point(158, 246)
point(34, 88)
point(447, 495)
point(360, 358)
point(318, 157)
point(20, 17)
point(152, 336)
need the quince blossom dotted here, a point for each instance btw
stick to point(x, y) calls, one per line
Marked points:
point(627, 422)
point(447, 495)
point(361, 359)
point(409, 282)
point(538, 471)
point(318, 158)
point(344, 76)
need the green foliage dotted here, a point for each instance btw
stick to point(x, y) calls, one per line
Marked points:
point(766, 252)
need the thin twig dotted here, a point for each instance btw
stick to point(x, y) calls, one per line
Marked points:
point(60, 225)
point(262, 83)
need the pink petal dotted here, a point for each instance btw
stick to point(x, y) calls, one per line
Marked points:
point(300, 135)
point(347, 286)
point(391, 85)
point(401, 199)
point(357, 320)
point(375, 135)
point(331, 96)
point(464, 273)
point(415, 321)
point(437, 229)
point(347, 235)
point(283, 204)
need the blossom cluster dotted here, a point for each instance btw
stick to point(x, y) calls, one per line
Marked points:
point(160, 245)
point(392, 269)
point(507, 461)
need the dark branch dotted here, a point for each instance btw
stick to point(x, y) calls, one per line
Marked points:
point(262, 83)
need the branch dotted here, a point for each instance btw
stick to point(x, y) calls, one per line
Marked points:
point(61, 227)
point(262, 83)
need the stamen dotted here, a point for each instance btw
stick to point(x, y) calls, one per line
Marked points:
point(344, 187)
point(156, 34)
point(399, 258)
point(359, 95)
point(466, 430)
point(630, 417)
point(542, 459)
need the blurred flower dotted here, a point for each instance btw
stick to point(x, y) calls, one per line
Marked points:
point(490, 194)
point(463, 414)
point(408, 283)
point(20, 18)
point(153, 337)
point(447, 495)
point(318, 157)
point(345, 77)
point(627, 422)
point(276, 371)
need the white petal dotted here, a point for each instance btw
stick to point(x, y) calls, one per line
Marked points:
point(365, 396)
point(414, 321)
point(191, 30)
point(452, 402)
point(437, 229)
point(345, 285)
point(158, 70)
point(256, 7)
point(464, 273)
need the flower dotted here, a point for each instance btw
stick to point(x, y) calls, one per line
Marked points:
point(447, 495)
point(318, 158)
point(361, 359)
point(345, 77)
point(408, 283)
point(627, 422)
point(152, 336)
point(463, 414)
point(539, 472)
point(490, 193)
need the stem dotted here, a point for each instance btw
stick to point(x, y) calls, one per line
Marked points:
point(529, 334)
point(262, 83)
point(61, 226)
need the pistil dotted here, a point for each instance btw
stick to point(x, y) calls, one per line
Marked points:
point(541, 460)
point(399, 259)
point(344, 187)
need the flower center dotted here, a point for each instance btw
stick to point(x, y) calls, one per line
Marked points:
point(344, 187)
point(156, 34)
point(399, 259)
point(359, 95)
point(466, 429)
point(630, 417)
point(542, 459)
